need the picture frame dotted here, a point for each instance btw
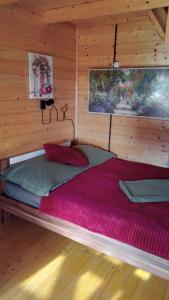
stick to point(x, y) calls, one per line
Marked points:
point(141, 92)
point(40, 76)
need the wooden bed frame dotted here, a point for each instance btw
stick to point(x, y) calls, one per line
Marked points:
point(101, 243)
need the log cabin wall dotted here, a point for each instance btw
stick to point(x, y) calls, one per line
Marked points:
point(138, 44)
point(20, 118)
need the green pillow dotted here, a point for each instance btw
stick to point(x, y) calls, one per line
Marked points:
point(95, 155)
point(40, 176)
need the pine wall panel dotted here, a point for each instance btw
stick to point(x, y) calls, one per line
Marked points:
point(138, 44)
point(20, 118)
point(95, 50)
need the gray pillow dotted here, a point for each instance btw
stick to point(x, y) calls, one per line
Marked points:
point(95, 155)
point(39, 176)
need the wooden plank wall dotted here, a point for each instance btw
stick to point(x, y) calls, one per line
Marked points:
point(20, 118)
point(138, 44)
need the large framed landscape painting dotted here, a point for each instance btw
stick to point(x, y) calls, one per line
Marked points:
point(130, 91)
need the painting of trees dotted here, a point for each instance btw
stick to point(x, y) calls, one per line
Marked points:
point(141, 92)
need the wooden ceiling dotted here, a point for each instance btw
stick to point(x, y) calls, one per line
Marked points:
point(120, 6)
point(54, 4)
point(55, 11)
point(80, 12)
point(44, 5)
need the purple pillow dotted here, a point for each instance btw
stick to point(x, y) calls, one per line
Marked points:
point(65, 155)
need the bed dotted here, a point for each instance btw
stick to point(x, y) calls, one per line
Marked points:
point(73, 195)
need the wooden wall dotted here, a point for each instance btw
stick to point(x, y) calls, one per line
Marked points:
point(20, 118)
point(138, 44)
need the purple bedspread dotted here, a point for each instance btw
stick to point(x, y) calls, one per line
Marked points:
point(95, 201)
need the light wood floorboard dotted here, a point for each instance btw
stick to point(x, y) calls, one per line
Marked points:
point(37, 264)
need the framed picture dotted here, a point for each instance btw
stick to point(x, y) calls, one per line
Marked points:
point(130, 91)
point(40, 76)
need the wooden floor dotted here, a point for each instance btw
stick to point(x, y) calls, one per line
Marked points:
point(40, 265)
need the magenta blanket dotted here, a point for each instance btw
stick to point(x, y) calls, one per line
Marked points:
point(95, 201)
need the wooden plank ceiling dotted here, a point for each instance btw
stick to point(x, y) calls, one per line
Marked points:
point(81, 12)
point(44, 5)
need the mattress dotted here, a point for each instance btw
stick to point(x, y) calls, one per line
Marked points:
point(14, 191)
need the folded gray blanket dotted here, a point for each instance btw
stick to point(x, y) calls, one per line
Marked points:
point(151, 190)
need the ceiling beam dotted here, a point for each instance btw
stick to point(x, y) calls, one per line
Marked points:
point(161, 14)
point(100, 8)
point(157, 21)
point(167, 30)
point(23, 14)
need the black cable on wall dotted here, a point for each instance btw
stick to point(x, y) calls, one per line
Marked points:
point(114, 59)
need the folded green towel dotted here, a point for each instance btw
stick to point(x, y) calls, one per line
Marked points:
point(151, 190)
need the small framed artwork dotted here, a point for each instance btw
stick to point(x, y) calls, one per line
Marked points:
point(40, 76)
